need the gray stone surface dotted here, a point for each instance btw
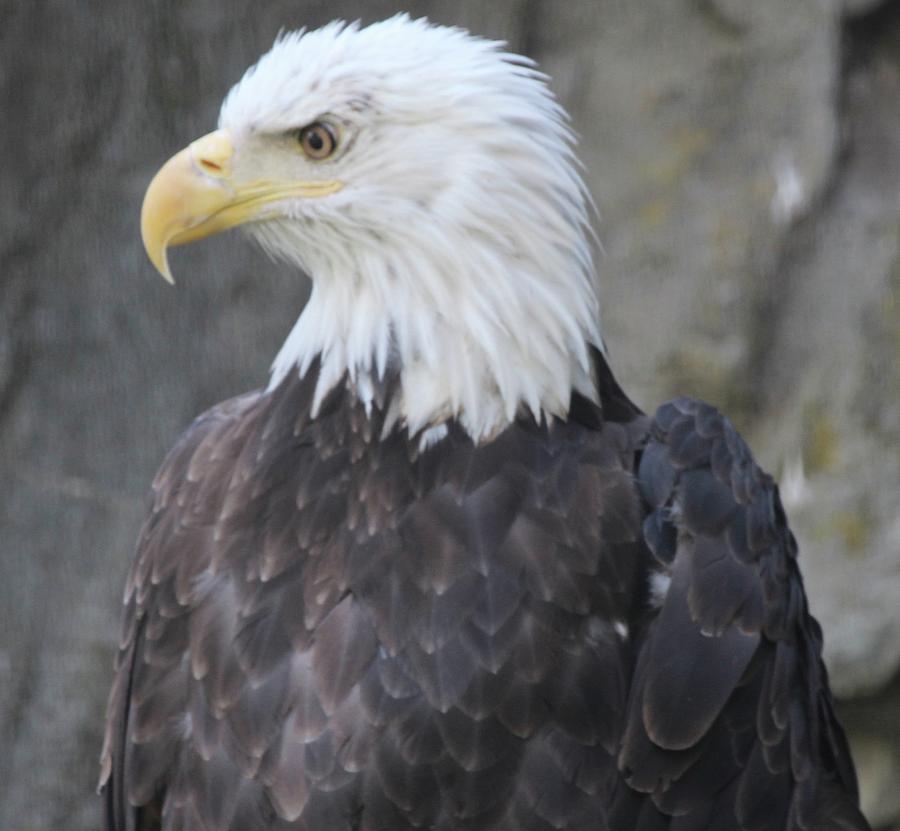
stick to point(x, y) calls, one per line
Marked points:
point(834, 394)
point(745, 158)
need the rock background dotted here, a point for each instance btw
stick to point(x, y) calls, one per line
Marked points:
point(745, 158)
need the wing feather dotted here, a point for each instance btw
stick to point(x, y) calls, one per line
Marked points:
point(729, 703)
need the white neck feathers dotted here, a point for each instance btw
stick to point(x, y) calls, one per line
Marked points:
point(477, 332)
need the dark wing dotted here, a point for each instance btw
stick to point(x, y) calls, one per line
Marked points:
point(730, 696)
point(153, 665)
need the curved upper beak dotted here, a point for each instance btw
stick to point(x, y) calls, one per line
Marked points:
point(195, 195)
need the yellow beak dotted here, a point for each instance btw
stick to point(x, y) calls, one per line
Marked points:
point(194, 196)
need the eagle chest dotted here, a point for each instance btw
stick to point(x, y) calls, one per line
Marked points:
point(444, 607)
point(460, 557)
point(379, 626)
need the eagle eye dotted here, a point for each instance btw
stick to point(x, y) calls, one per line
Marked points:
point(318, 140)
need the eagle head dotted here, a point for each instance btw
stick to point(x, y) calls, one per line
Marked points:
point(425, 179)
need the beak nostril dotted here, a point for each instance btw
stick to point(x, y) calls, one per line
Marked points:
point(210, 167)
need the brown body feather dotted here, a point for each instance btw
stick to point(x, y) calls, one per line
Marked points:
point(326, 629)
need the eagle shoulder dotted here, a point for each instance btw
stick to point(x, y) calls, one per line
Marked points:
point(174, 547)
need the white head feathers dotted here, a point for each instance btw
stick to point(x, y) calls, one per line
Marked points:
point(458, 248)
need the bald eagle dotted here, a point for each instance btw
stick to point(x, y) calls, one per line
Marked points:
point(442, 573)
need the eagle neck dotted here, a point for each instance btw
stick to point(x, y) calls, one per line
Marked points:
point(475, 335)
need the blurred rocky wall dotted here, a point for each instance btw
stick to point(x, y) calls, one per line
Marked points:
point(745, 158)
